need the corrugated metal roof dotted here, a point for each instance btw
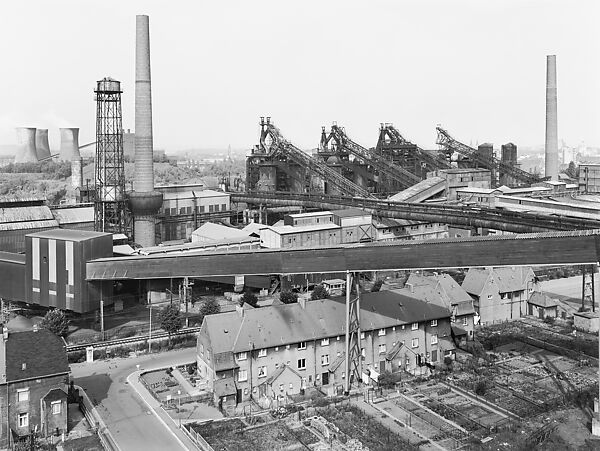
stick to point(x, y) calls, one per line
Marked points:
point(418, 188)
point(28, 225)
point(287, 229)
point(74, 215)
point(350, 213)
point(216, 232)
point(12, 258)
point(23, 214)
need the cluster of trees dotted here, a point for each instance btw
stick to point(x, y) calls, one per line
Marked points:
point(57, 170)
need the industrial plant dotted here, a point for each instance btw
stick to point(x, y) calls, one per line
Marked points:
point(351, 296)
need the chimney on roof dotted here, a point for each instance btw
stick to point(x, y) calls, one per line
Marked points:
point(240, 310)
point(302, 301)
point(410, 286)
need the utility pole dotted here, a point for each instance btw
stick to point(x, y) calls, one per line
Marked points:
point(101, 314)
point(150, 329)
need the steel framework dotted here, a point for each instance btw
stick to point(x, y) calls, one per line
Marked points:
point(353, 351)
point(110, 204)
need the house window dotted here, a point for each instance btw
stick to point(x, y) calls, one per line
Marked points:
point(280, 387)
point(201, 208)
point(434, 339)
point(490, 296)
point(262, 371)
point(223, 207)
point(325, 359)
point(433, 322)
point(381, 332)
point(55, 407)
point(208, 355)
point(325, 342)
point(363, 352)
point(262, 352)
point(362, 335)
point(182, 210)
point(291, 386)
point(242, 375)
point(502, 296)
point(415, 342)
point(301, 345)
point(211, 208)
point(415, 326)
point(407, 361)
point(343, 375)
point(22, 394)
point(23, 420)
point(465, 321)
point(242, 356)
point(382, 349)
point(301, 364)
point(188, 210)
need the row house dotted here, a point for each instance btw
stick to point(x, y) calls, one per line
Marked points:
point(34, 378)
point(443, 290)
point(500, 294)
point(275, 351)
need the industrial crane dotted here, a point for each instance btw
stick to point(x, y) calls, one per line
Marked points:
point(384, 166)
point(449, 144)
point(272, 143)
point(390, 139)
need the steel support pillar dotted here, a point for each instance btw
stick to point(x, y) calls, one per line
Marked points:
point(596, 414)
point(353, 349)
point(588, 295)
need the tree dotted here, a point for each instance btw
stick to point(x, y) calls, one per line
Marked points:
point(377, 285)
point(288, 297)
point(170, 320)
point(56, 321)
point(320, 292)
point(249, 298)
point(209, 306)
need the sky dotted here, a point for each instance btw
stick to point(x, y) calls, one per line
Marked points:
point(476, 67)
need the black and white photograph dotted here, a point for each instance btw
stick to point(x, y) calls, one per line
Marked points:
point(268, 225)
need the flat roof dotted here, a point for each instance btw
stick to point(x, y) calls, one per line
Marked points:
point(350, 212)
point(310, 214)
point(68, 234)
point(286, 229)
point(473, 189)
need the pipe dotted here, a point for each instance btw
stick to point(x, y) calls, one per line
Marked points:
point(551, 150)
point(41, 143)
point(144, 201)
point(69, 144)
point(26, 151)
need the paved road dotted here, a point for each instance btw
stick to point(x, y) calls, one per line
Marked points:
point(568, 287)
point(126, 415)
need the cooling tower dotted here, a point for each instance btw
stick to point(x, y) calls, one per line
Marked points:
point(144, 201)
point(69, 144)
point(551, 162)
point(41, 143)
point(26, 152)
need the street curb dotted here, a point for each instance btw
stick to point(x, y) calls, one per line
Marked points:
point(133, 385)
point(98, 417)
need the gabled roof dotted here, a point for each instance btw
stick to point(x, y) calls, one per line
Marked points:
point(225, 387)
point(441, 290)
point(216, 232)
point(278, 372)
point(542, 300)
point(42, 352)
point(508, 279)
point(280, 325)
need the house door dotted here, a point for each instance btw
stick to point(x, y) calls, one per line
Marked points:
point(434, 356)
point(541, 313)
point(325, 377)
point(381, 366)
point(238, 398)
point(530, 309)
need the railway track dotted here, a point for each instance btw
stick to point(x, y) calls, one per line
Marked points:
point(131, 340)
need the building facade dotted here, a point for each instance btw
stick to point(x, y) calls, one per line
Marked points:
point(276, 351)
point(35, 377)
point(500, 294)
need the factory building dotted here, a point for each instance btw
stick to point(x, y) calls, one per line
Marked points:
point(589, 177)
point(178, 216)
point(20, 216)
point(238, 359)
point(388, 229)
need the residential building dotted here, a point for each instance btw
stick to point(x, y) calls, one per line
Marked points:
point(542, 306)
point(275, 351)
point(34, 378)
point(334, 286)
point(500, 294)
point(443, 290)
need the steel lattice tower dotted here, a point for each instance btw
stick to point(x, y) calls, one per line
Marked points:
point(110, 205)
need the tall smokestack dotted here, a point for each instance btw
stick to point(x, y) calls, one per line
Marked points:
point(41, 143)
point(551, 163)
point(69, 144)
point(26, 152)
point(144, 201)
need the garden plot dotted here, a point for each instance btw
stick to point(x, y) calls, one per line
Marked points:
point(163, 386)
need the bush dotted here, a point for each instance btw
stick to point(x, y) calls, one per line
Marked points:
point(288, 297)
point(481, 387)
point(320, 292)
point(389, 380)
point(549, 320)
point(249, 298)
point(377, 285)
